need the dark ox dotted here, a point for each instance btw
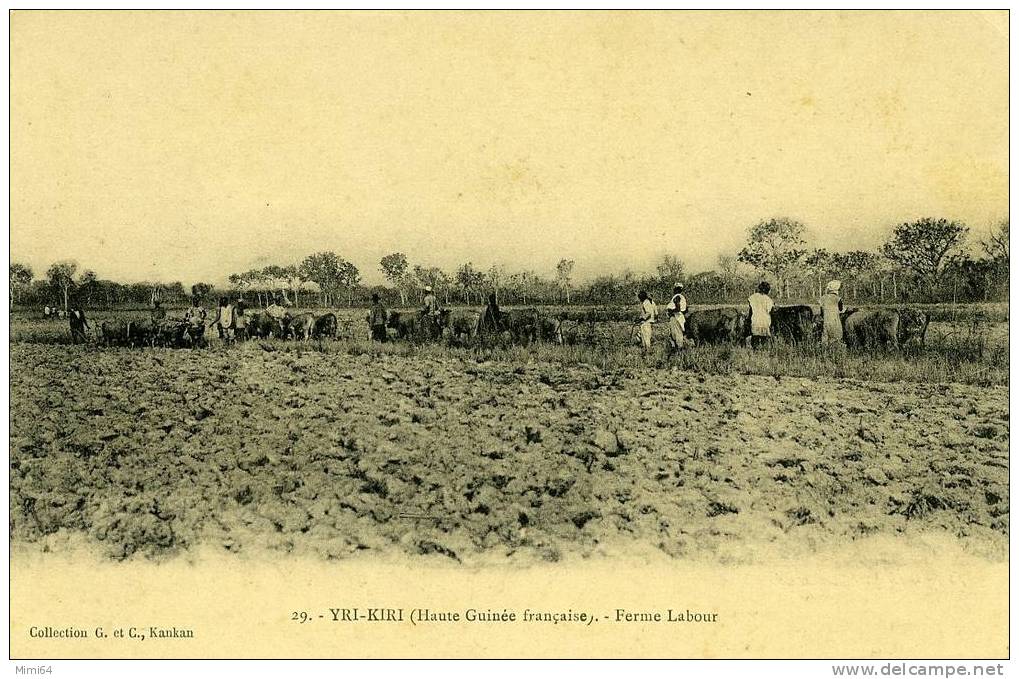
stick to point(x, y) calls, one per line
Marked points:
point(404, 325)
point(795, 323)
point(179, 334)
point(115, 333)
point(262, 326)
point(891, 328)
point(716, 326)
point(526, 326)
point(325, 326)
point(459, 326)
point(142, 333)
point(301, 326)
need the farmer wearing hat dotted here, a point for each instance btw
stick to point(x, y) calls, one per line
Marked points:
point(676, 310)
point(430, 306)
point(831, 313)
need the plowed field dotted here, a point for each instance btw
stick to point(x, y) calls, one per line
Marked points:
point(146, 453)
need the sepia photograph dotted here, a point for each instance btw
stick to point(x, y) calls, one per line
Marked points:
point(509, 334)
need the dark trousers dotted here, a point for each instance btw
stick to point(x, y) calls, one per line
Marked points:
point(379, 333)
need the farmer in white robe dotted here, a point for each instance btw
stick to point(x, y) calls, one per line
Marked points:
point(676, 310)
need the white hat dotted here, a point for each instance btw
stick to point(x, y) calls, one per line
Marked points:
point(677, 285)
point(833, 286)
point(428, 288)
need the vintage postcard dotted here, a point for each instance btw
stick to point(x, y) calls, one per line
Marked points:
point(505, 334)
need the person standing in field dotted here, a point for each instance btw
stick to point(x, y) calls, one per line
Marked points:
point(79, 325)
point(158, 313)
point(429, 305)
point(648, 316)
point(224, 320)
point(430, 313)
point(831, 314)
point(377, 319)
point(677, 317)
point(195, 319)
point(491, 317)
point(277, 312)
point(761, 305)
point(240, 321)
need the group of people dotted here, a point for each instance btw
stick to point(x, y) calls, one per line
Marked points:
point(760, 306)
point(230, 319)
point(491, 321)
point(676, 312)
point(430, 312)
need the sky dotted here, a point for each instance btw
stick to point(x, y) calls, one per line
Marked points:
point(190, 145)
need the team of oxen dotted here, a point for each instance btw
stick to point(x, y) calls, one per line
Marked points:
point(891, 328)
point(457, 326)
point(180, 333)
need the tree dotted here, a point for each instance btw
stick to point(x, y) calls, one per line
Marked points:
point(394, 266)
point(201, 290)
point(775, 247)
point(819, 261)
point(670, 270)
point(468, 279)
point(323, 269)
point(348, 277)
point(295, 278)
point(432, 276)
point(61, 277)
point(728, 271)
point(854, 265)
point(996, 249)
point(996, 245)
point(88, 286)
point(239, 281)
point(564, 270)
point(496, 277)
point(257, 281)
point(21, 278)
point(925, 246)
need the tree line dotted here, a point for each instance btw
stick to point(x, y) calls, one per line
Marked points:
point(927, 260)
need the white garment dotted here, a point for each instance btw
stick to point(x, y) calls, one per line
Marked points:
point(760, 314)
point(678, 303)
point(649, 311)
point(677, 309)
